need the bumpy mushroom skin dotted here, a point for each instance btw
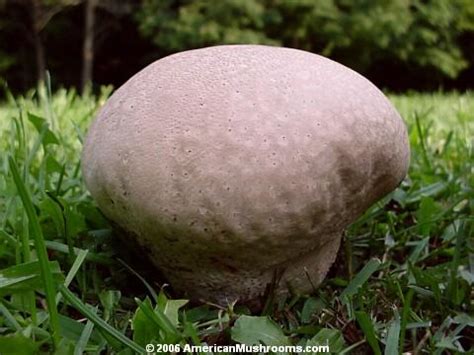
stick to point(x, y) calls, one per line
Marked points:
point(231, 164)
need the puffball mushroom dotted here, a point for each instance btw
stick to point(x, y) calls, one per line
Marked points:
point(232, 164)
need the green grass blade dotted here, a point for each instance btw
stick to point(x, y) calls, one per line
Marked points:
point(25, 240)
point(422, 141)
point(147, 285)
point(9, 317)
point(447, 143)
point(25, 277)
point(40, 247)
point(93, 257)
point(8, 238)
point(453, 282)
point(60, 180)
point(405, 313)
point(368, 328)
point(159, 318)
point(81, 256)
point(73, 271)
point(99, 322)
point(391, 347)
point(84, 339)
point(361, 278)
point(349, 349)
point(30, 299)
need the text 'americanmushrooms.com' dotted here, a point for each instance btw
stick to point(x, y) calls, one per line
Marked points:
point(233, 164)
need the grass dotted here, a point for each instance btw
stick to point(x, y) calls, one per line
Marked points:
point(402, 282)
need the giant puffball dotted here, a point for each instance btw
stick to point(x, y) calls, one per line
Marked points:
point(235, 166)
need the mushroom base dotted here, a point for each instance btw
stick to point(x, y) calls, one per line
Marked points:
point(222, 286)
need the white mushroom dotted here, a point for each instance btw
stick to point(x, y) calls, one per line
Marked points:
point(231, 164)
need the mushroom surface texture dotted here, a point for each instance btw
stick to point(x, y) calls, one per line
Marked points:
point(237, 166)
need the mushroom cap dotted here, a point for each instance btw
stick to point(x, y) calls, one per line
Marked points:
point(231, 165)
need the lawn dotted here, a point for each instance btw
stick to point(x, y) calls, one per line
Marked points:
point(403, 279)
